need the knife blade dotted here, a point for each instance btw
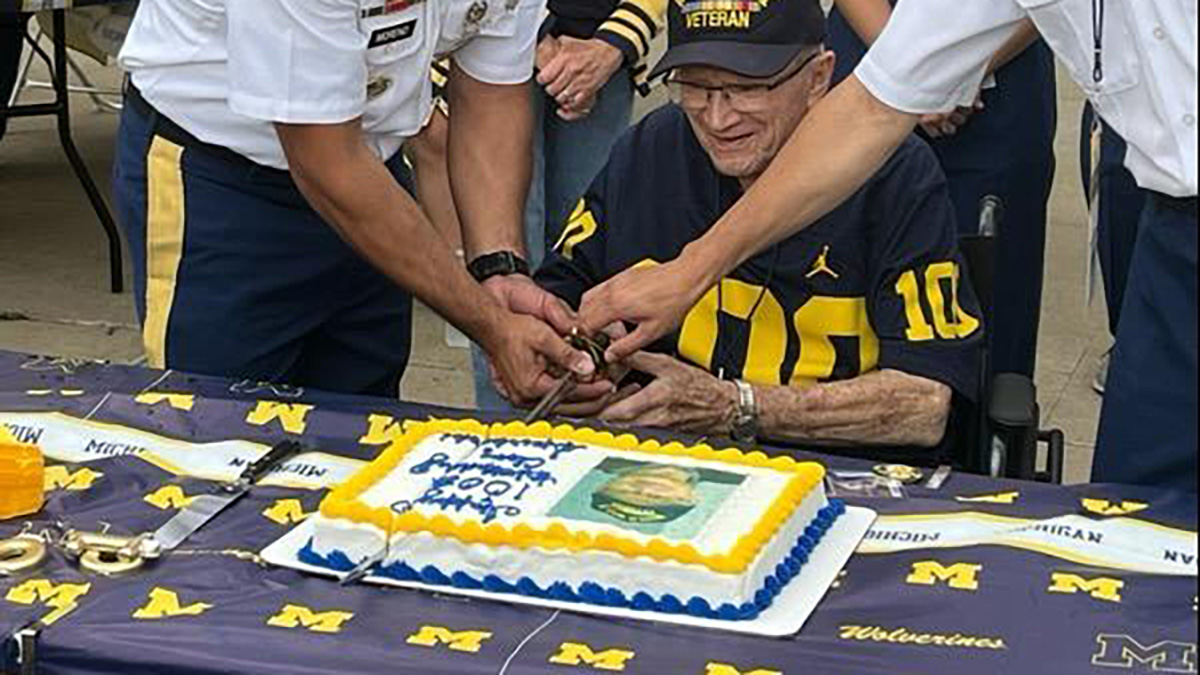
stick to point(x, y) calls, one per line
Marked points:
point(551, 400)
point(204, 508)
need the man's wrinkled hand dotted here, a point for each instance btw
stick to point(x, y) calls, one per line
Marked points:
point(575, 73)
point(656, 299)
point(547, 49)
point(682, 397)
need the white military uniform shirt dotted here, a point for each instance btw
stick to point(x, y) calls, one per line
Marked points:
point(227, 70)
point(933, 55)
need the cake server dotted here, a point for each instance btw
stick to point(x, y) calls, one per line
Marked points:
point(206, 507)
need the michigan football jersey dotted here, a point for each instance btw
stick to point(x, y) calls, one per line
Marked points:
point(876, 284)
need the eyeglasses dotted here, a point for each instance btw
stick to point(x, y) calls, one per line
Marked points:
point(743, 97)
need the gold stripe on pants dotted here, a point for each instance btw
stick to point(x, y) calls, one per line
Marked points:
point(164, 243)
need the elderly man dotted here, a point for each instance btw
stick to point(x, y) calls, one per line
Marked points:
point(857, 331)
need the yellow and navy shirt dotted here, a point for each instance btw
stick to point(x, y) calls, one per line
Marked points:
point(877, 284)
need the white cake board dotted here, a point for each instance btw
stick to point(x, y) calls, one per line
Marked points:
point(785, 617)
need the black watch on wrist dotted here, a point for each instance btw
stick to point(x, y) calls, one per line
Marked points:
point(498, 264)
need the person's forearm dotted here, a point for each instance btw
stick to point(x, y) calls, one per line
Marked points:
point(844, 140)
point(1023, 39)
point(490, 158)
point(369, 209)
point(867, 18)
point(882, 408)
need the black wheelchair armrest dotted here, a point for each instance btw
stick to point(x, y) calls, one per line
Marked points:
point(1013, 417)
point(1013, 401)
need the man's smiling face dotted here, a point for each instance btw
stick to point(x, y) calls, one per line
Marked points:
point(742, 140)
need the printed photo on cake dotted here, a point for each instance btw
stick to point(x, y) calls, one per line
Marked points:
point(666, 500)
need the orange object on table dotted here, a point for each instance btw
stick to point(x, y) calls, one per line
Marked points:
point(22, 477)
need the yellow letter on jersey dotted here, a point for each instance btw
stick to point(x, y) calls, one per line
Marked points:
point(1103, 588)
point(823, 318)
point(434, 636)
point(295, 616)
point(164, 604)
point(293, 417)
point(767, 344)
point(964, 325)
point(961, 576)
point(722, 669)
point(571, 654)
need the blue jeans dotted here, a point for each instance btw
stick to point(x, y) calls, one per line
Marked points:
point(566, 158)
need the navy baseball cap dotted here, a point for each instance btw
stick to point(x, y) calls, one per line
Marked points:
point(754, 38)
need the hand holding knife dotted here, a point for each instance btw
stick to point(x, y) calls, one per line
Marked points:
point(593, 347)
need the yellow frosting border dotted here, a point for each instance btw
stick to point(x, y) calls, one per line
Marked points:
point(344, 503)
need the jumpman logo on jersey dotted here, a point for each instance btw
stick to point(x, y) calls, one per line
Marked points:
point(821, 266)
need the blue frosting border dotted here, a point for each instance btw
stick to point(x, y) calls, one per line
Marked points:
point(595, 594)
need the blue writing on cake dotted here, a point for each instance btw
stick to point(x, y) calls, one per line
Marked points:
point(500, 469)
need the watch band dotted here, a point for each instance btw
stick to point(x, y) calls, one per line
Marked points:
point(746, 422)
point(500, 263)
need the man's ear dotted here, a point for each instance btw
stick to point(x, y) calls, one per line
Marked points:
point(822, 76)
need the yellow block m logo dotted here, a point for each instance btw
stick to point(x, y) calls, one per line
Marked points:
point(961, 576)
point(183, 402)
point(61, 478)
point(295, 616)
point(286, 512)
point(435, 636)
point(1103, 507)
point(61, 598)
point(722, 669)
point(1103, 588)
point(571, 654)
point(1122, 651)
point(169, 497)
point(293, 417)
point(382, 430)
point(164, 604)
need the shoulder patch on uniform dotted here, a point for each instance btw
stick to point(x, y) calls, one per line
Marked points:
point(392, 34)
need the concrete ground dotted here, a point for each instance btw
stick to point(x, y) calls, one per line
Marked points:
point(54, 297)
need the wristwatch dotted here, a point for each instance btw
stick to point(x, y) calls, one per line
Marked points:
point(498, 264)
point(746, 421)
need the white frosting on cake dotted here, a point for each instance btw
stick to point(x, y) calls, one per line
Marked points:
point(515, 481)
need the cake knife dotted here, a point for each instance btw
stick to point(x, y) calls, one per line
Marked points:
point(206, 507)
point(371, 562)
point(593, 347)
